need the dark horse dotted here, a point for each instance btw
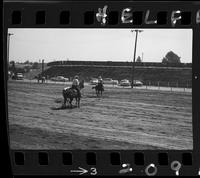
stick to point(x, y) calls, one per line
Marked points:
point(69, 94)
point(40, 77)
point(99, 88)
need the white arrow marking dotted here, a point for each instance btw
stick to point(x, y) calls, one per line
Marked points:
point(177, 173)
point(81, 171)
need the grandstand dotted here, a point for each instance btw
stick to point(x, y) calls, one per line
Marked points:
point(145, 72)
point(111, 63)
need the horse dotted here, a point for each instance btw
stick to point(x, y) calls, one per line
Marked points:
point(99, 88)
point(69, 94)
point(40, 77)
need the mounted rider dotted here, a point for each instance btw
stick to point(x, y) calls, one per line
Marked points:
point(100, 82)
point(75, 85)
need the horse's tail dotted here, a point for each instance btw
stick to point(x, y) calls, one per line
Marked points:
point(81, 85)
point(63, 92)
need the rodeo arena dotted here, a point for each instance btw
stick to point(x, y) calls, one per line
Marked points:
point(112, 106)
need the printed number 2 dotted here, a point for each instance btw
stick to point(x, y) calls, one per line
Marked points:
point(93, 171)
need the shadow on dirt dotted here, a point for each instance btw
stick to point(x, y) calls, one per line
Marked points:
point(91, 96)
point(95, 96)
point(63, 108)
point(58, 100)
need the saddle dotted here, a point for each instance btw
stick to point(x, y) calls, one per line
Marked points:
point(66, 88)
point(99, 86)
point(69, 88)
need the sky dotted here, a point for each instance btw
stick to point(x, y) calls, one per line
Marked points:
point(98, 44)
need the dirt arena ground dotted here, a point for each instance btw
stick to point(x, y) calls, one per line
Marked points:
point(123, 118)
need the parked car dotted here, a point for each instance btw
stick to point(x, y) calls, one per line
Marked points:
point(93, 81)
point(115, 82)
point(137, 83)
point(110, 81)
point(124, 82)
point(107, 81)
point(19, 76)
point(60, 79)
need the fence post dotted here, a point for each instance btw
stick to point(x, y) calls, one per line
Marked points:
point(158, 85)
point(146, 85)
point(149, 83)
point(170, 87)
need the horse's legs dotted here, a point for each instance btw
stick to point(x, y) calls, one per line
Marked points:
point(65, 99)
point(70, 102)
point(64, 104)
point(78, 100)
point(98, 93)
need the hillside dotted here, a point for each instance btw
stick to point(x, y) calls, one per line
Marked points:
point(154, 74)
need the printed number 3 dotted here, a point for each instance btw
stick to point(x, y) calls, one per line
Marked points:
point(93, 171)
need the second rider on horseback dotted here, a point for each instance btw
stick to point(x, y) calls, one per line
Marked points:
point(75, 84)
point(100, 82)
point(99, 87)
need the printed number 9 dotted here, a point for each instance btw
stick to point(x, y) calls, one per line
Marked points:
point(93, 171)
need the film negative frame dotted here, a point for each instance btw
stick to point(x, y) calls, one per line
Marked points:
point(107, 162)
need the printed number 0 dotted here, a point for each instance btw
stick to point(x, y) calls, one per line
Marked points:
point(93, 171)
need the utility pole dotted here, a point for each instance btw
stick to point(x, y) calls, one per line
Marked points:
point(133, 65)
point(42, 66)
point(8, 50)
point(8, 46)
point(142, 56)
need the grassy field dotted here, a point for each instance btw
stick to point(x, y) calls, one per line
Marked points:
point(123, 118)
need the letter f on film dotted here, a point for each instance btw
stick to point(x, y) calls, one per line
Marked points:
point(175, 16)
point(198, 17)
point(101, 15)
